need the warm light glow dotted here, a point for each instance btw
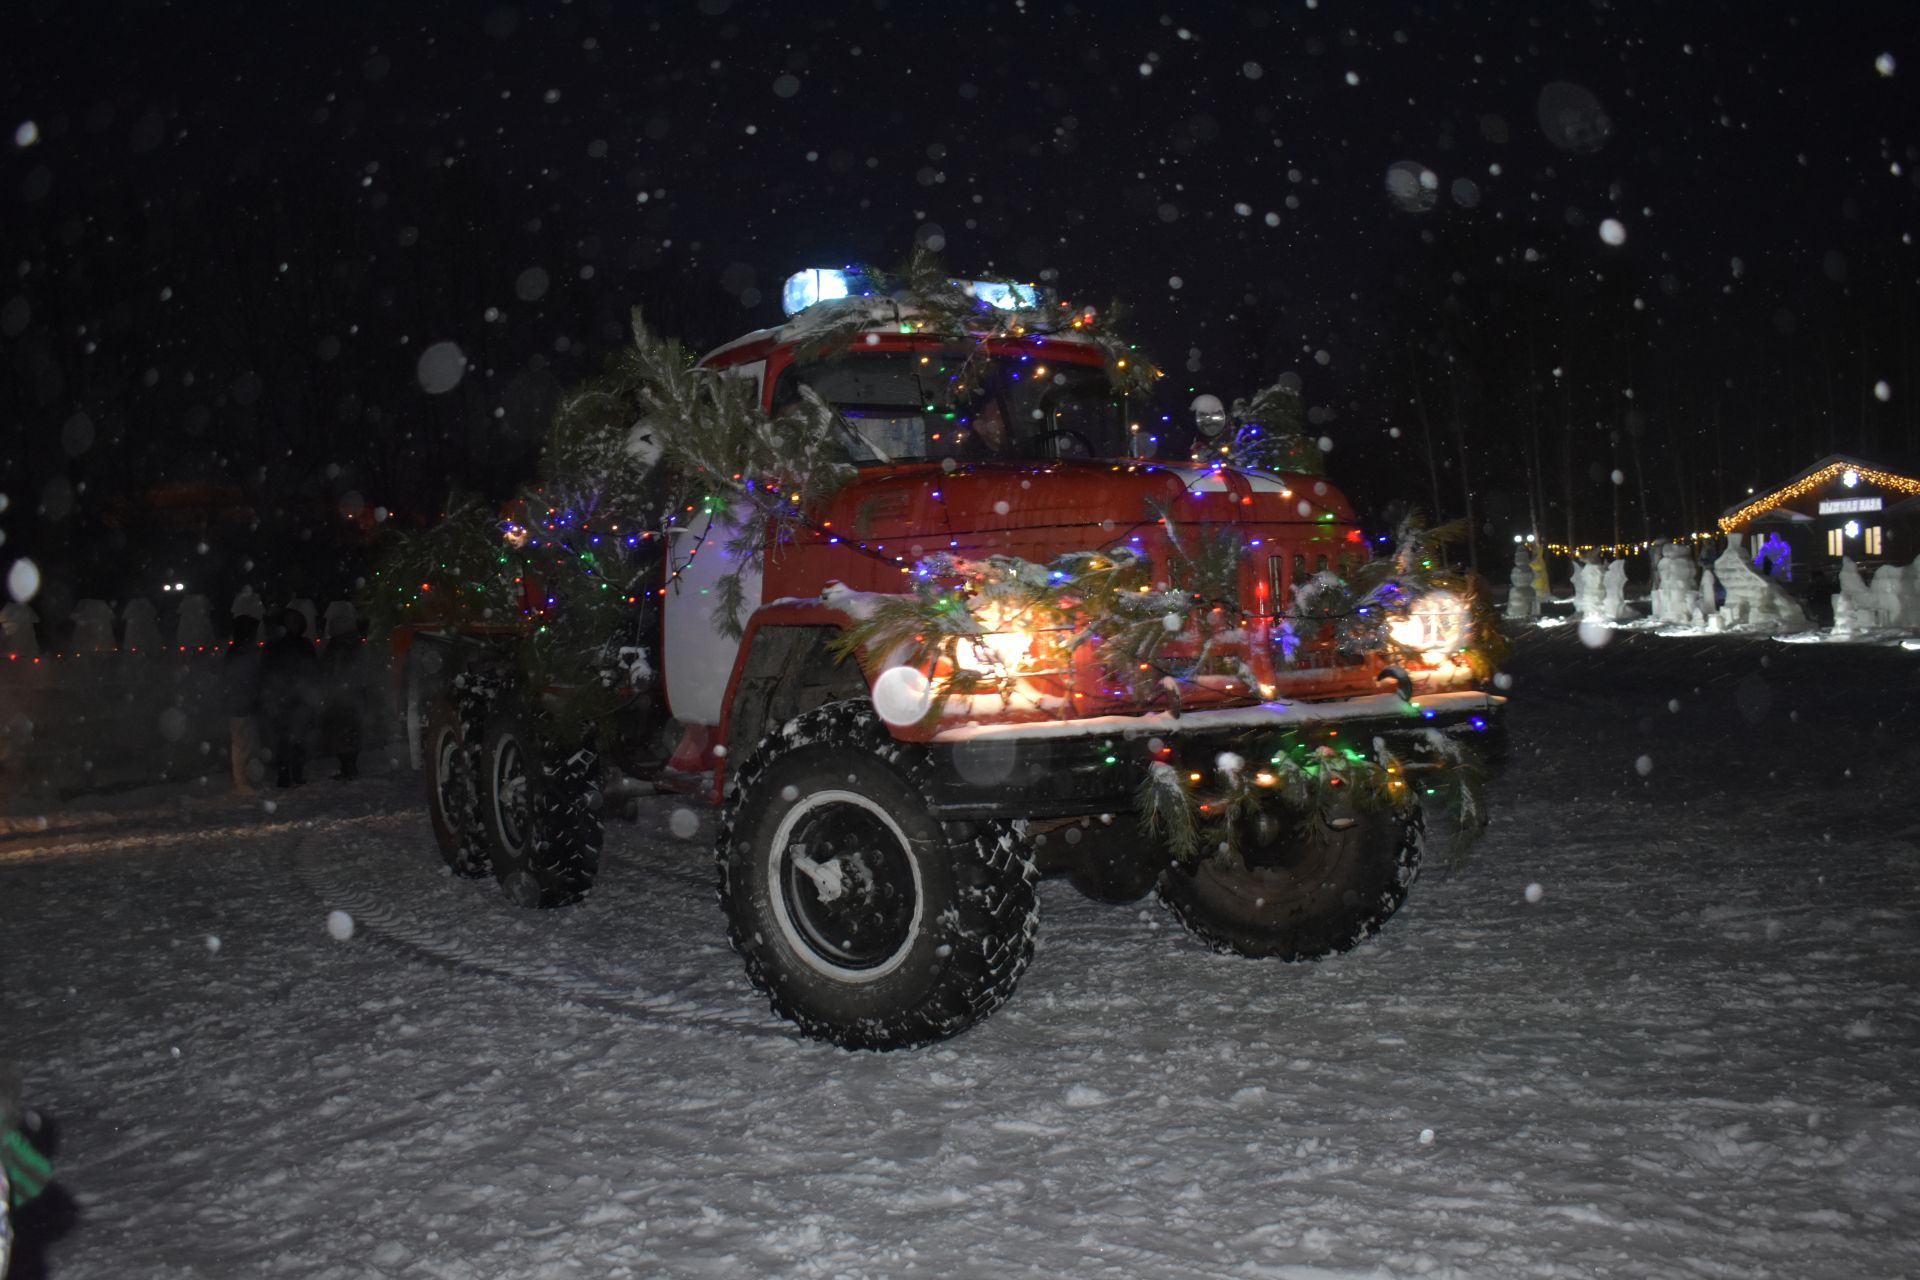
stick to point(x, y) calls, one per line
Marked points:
point(1435, 625)
point(1004, 645)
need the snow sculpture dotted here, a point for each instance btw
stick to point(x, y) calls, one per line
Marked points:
point(194, 628)
point(1709, 595)
point(304, 607)
point(248, 605)
point(93, 626)
point(1896, 594)
point(16, 624)
point(1676, 593)
point(1855, 608)
point(1523, 602)
point(1614, 607)
point(1753, 601)
point(140, 626)
point(1589, 592)
point(341, 619)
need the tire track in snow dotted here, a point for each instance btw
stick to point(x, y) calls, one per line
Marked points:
point(391, 927)
point(131, 836)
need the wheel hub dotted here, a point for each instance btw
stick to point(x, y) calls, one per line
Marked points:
point(845, 884)
point(510, 793)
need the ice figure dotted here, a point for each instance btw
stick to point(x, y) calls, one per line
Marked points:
point(341, 619)
point(194, 628)
point(1676, 593)
point(1752, 600)
point(248, 605)
point(16, 624)
point(1522, 601)
point(1589, 591)
point(140, 626)
point(1614, 605)
point(1709, 594)
point(1855, 608)
point(93, 626)
point(1896, 594)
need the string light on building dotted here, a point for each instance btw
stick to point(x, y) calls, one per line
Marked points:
point(1808, 483)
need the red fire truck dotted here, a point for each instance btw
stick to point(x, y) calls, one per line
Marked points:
point(878, 847)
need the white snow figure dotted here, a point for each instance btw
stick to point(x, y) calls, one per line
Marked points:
point(341, 619)
point(1589, 591)
point(1614, 606)
point(304, 607)
point(16, 625)
point(1709, 594)
point(1896, 594)
point(248, 605)
point(194, 628)
point(140, 626)
point(1753, 601)
point(93, 626)
point(1523, 602)
point(1676, 592)
point(1855, 607)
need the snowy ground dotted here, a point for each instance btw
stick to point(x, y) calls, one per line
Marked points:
point(1693, 1055)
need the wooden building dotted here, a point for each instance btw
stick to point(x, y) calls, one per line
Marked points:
point(1840, 506)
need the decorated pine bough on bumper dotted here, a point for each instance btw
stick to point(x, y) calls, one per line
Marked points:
point(843, 566)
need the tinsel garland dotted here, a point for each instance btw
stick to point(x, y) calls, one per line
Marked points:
point(956, 606)
point(559, 571)
point(1106, 598)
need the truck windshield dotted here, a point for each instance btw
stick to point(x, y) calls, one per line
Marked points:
point(911, 407)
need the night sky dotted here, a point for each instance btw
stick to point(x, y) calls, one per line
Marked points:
point(229, 231)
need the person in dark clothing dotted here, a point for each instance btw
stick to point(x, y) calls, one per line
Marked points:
point(289, 673)
point(241, 677)
point(342, 713)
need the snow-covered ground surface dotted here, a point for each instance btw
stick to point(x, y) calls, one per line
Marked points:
point(1691, 1052)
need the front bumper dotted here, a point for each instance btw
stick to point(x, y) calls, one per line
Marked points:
point(1070, 768)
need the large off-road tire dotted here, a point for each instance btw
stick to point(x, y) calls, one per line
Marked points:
point(451, 746)
point(1300, 895)
point(540, 809)
point(864, 919)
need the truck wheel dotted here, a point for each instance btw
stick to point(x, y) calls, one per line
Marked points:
point(1301, 896)
point(453, 788)
point(865, 920)
point(540, 809)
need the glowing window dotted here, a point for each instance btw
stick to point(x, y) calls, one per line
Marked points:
point(1836, 542)
point(1872, 540)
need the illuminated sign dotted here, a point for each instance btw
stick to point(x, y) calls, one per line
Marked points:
point(1841, 506)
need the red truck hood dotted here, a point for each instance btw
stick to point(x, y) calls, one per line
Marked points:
point(1039, 510)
